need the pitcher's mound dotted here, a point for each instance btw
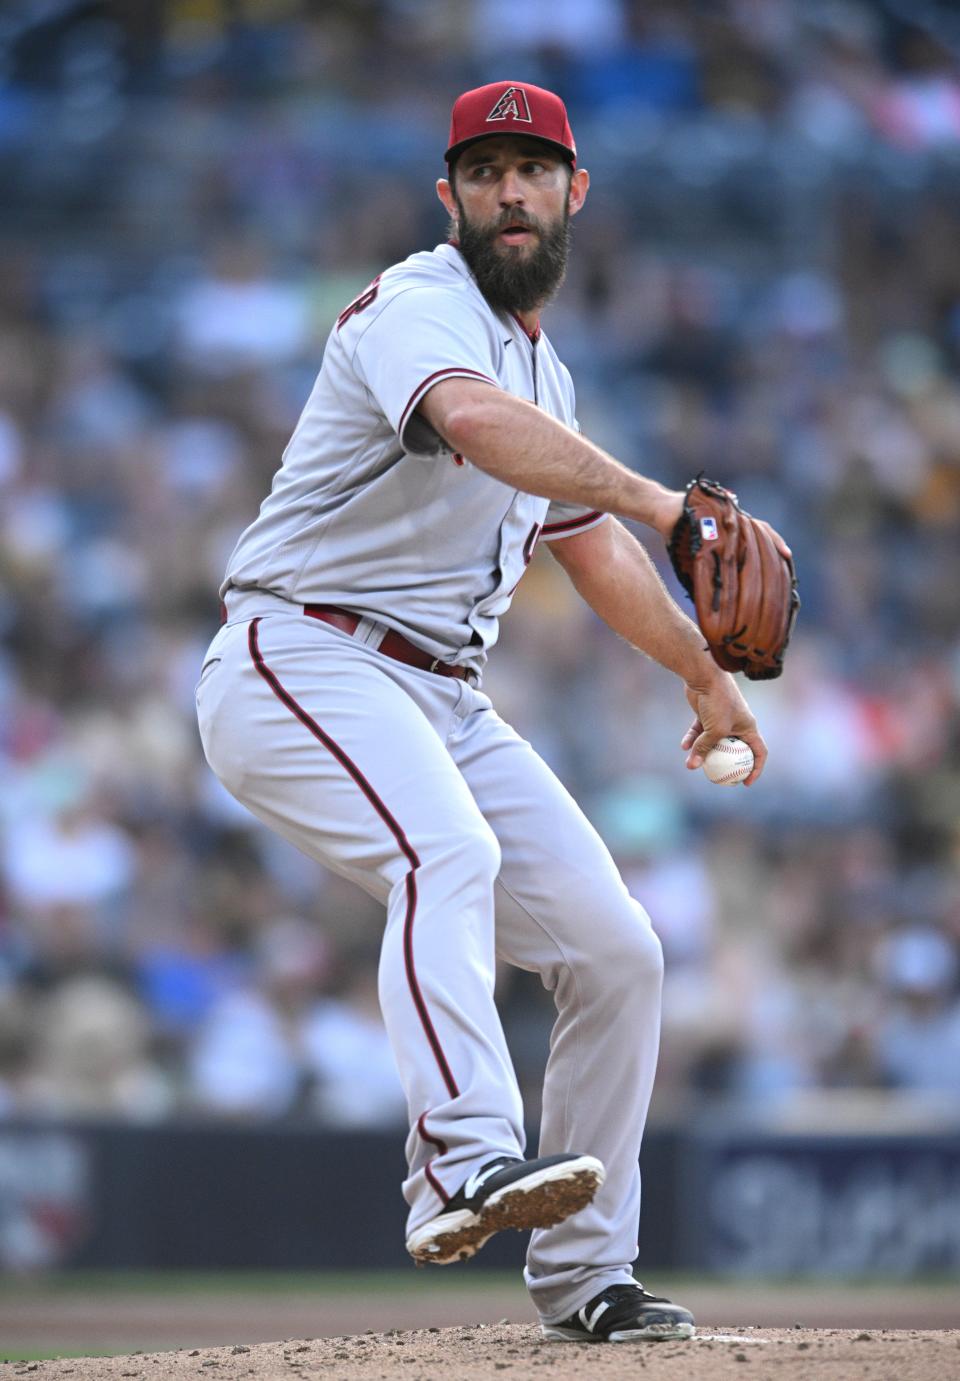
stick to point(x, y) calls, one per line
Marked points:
point(516, 1351)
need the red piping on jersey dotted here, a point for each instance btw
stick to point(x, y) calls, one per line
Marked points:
point(403, 843)
point(442, 1148)
point(533, 335)
point(418, 392)
point(552, 529)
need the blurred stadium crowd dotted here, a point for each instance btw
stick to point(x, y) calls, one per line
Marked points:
point(765, 285)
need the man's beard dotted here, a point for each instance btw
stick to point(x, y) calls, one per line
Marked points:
point(512, 281)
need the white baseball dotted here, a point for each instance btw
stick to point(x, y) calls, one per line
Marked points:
point(729, 761)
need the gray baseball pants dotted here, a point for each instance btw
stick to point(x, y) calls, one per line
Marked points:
point(411, 784)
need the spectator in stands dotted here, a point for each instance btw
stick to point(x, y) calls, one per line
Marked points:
point(770, 290)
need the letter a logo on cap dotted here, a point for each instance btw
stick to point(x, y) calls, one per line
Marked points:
point(512, 105)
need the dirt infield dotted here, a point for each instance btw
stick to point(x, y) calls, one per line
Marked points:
point(487, 1350)
point(420, 1325)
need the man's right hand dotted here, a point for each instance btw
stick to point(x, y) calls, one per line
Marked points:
point(721, 712)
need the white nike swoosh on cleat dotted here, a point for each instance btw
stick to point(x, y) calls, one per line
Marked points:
point(479, 1178)
point(542, 1199)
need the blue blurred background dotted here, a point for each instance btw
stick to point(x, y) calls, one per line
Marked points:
point(765, 285)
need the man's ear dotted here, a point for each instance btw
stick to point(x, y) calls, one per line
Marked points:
point(579, 185)
point(445, 193)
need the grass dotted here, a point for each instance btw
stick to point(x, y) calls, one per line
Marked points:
point(31, 1354)
point(172, 1283)
point(241, 1282)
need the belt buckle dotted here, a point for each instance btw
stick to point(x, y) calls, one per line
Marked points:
point(434, 664)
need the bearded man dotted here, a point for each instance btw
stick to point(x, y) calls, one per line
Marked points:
point(342, 703)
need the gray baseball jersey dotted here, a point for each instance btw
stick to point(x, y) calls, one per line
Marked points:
point(370, 510)
point(412, 785)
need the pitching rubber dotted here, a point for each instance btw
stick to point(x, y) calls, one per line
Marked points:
point(540, 1201)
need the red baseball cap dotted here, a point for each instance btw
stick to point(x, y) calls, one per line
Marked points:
point(510, 108)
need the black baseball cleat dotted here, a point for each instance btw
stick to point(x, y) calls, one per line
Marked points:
point(623, 1314)
point(507, 1193)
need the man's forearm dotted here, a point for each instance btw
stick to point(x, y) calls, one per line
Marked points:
point(614, 574)
point(527, 449)
point(626, 591)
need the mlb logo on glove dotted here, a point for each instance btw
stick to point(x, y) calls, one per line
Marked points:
point(708, 529)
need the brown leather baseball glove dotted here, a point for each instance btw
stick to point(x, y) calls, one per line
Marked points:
point(743, 589)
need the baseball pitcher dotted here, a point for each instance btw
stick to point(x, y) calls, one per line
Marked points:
point(342, 702)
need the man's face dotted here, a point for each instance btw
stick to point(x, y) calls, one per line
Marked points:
point(510, 203)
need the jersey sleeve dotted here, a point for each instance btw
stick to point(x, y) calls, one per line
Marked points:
point(565, 519)
point(419, 337)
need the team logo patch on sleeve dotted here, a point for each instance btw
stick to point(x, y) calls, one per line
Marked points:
point(512, 105)
point(708, 529)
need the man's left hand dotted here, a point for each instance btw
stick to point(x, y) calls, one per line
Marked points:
point(668, 511)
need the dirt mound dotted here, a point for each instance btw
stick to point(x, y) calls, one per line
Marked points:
point(489, 1350)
